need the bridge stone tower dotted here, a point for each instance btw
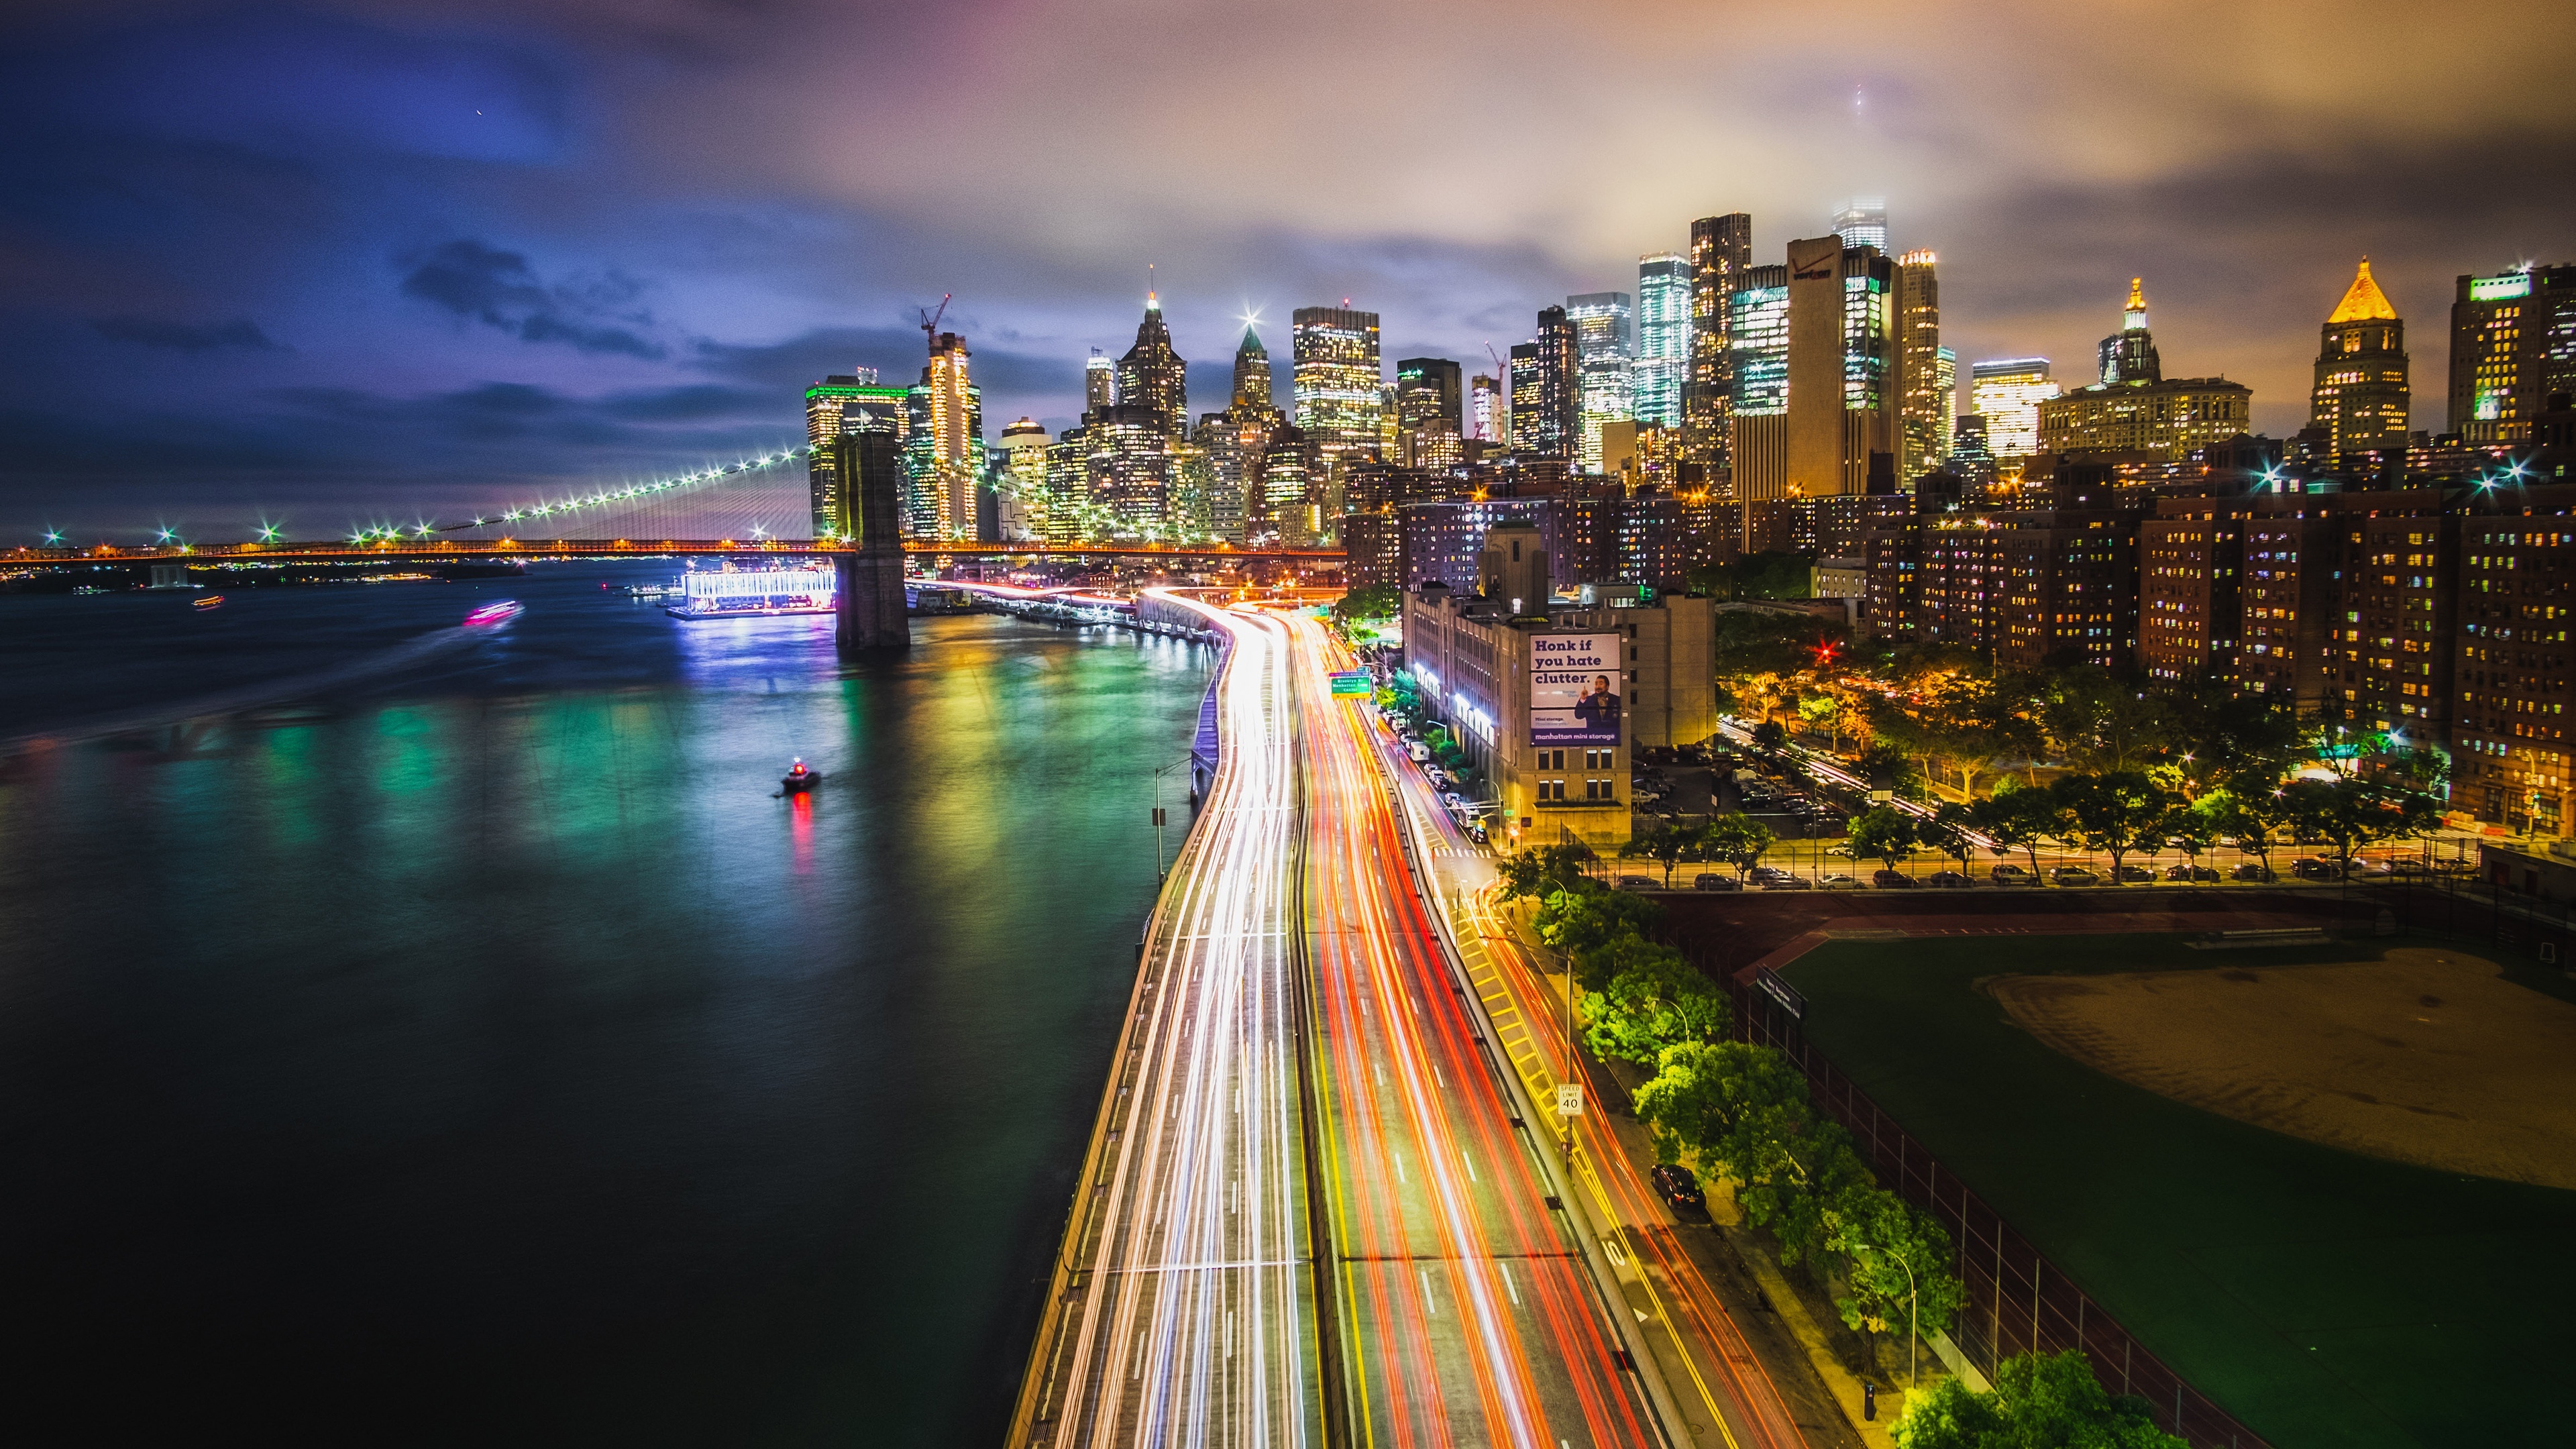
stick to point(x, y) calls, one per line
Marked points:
point(870, 600)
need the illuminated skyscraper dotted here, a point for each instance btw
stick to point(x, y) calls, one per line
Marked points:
point(1152, 375)
point(1489, 410)
point(1929, 375)
point(1251, 374)
point(1817, 373)
point(2006, 393)
point(844, 403)
point(2513, 343)
point(2129, 355)
point(2361, 397)
point(1863, 224)
point(1721, 249)
point(1603, 323)
point(943, 450)
point(1024, 504)
point(1338, 381)
point(1663, 337)
point(1099, 383)
point(1429, 413)
point(1544, 390)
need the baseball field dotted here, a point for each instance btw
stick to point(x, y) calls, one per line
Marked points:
point(2334, 1186)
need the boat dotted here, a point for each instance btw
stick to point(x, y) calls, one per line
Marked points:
point(799, 778)
point(210, 601)
point(491, 614)
point(86, 589)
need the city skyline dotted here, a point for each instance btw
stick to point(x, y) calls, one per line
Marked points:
point(431, 261)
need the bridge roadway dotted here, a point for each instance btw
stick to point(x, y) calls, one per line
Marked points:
point(434, 549)
point(1301, 1081)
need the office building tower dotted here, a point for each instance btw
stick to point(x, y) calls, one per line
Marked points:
point(1863, 224)
point(1603, 338)
point(1281, 506)
point(2361, 397)
point(1128, 463)
point(1664, 302)
point(1099, 382)
point(1337, 378)
point(1928, 370)
point(1024, 503)
point(1816, 374)
point(838, 406)
point(2129, 355)
point(1489, 411)
point(2513, 343)
point(943, 447)
point(1426, 390)
point(1721, 249)
point(1252, 375)
point(1971, 456)
point(2006, 393)
point(1544, 389)
point(1152, 375)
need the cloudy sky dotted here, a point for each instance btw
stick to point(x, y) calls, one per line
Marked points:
point(380, 256)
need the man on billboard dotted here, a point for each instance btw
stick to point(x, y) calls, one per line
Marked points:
point(1598, 707)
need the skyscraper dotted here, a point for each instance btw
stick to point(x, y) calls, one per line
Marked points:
point(2006, 392)
point(1489, 411)
point(2361, 397)
point(1426, 390)
point(2513, 343)
point(1664, 303)
point(1025, 504)
point(1545, 395)
point(1252, 373)
point(1337, 384)
point(1863, 223)
point(1721, 248)
point(2129, 355)
point(1817, 373)
point(838, 406)
point(1930, 382)
point(1757, 415)
point(943, 450)
point(1099, 382)
point(1152, 375)
point(1603, 335)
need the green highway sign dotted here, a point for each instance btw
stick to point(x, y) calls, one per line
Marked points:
point(1357, 681)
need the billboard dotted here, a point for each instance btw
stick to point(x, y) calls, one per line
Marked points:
point(1574, 689)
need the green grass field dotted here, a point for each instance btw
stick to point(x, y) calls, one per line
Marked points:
point(2324, 1298)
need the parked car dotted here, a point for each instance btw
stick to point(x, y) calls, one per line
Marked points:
point(1639, 883)
point(2136, 872)
point(1789, 883)
point(1767, 873)
point(2191, 872)
point(2311, 867)
point(2409, 866)
point(1948, 880)
point(1839, 883)
point(1676, 1186)
point(2074, 875)
point(2009, 874)
point(1418, 752)
point(1454, 800)
point(1892, 880)
point(2249, 870)
point(1715, 883)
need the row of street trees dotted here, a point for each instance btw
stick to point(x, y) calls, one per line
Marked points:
point(1735, 1111)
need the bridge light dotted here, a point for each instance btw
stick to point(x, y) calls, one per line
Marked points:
point(53, 535)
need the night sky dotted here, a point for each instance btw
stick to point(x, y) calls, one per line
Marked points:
point(326, 263)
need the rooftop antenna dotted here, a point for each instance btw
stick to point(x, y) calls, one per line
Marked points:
point(930, 323)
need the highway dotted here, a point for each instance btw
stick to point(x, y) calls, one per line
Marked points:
point(1470, 1311)
point(1183, 1310)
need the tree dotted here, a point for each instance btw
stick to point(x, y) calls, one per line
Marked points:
point(1742, 1112)
point(1948, 831)
point(2246, 818)
point(1768, 737)
point(1738, 839)
point(1884, 764)
point(1379, 601)
point(2189, 828)
point(1658, 1001)
point(1886, 832)
point(1542, 871)
point(2115, 812)
point(2040, 1401)
point(1897, 1260)
point(2097, 722)
point(1592, 926)
point(2352, 813)
point(2017, 820)
point(1667, 845)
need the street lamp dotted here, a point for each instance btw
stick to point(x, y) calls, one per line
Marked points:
point(1911, 1304)
point(1158, 813)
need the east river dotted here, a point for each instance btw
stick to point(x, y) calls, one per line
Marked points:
point(474, 1048)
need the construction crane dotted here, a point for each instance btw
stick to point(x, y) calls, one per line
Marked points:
point(930, 323)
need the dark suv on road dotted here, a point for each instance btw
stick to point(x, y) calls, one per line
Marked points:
point(1676, 1186)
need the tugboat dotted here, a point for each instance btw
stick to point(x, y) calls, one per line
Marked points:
point(799, 779)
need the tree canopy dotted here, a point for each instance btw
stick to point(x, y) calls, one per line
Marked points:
point(2040, 1401)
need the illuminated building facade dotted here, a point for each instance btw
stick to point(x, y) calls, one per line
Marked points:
point(1863, 224)
point(1429, 412)
point(2513, 344)
point(2361, 398)
point(2170, 418)
point(1022, 498)
point(1929, 370)
point(1817, 373)
point(1128, 468)
point(1664, 301)
point(1603, 323)
point(836, 407)
point(1099, 382)
point(943, 448)
point(2129, 355)
point(1489, 411)
point(1153, 376)
point(1337, 380)
point(1721, 252)
point(1544, 391)
point(2513, 760)
point(2007, 393)
point(1252, 375)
